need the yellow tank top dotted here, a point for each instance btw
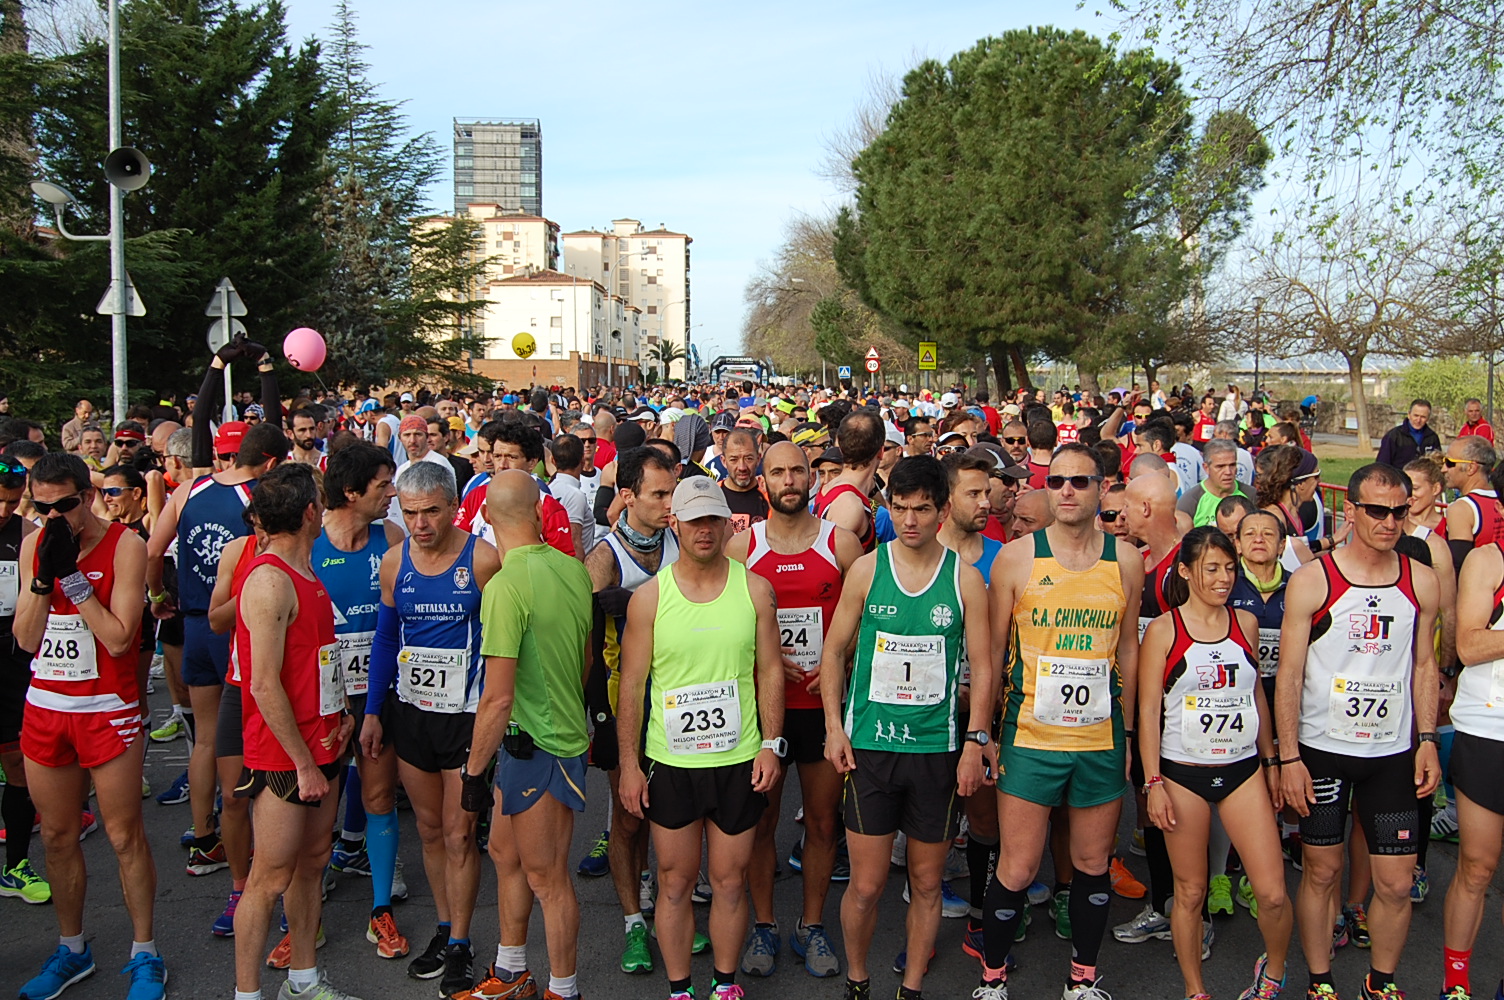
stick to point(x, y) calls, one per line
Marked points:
point(1063, 690)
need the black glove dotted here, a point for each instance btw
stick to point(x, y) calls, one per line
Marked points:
point(234, 350)
point(57, 552)
point(254, 351)
point(604, 752)
point(475, 792)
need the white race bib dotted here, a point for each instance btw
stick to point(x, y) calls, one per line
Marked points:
point(1070, 692)
point(10, 588)
point(1363, 710)
point(907, 670)
point(1268, 651)
point(331, 680)
point(1495, 684)
point(703, 718)
point(67, 652)
point(1219, 726)
point(1143, 626)
point(355, 660)
point(803, 631)
point(432, 679)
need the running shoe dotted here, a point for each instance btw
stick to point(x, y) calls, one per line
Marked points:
point(382, 932)
point(355, 862)
point(1060, 909)
point(1384, 991)
point(187, 839)
point(459, 969)
point(1149, 923)
point(1136, 845)
point(728, 991)
point(1208, 937)
point(901, 962)
point(1039, 894)
point(702, 891)
point(1444, 824)
point(1290, 846)
point(1264, 986)
point(952, 907)
point(647, 893)
point(24, 883)
point(1246, 899)
point(1460, 993)
point(697, 945)
point(796, 855)
point(972, 941)
point(224, 924)
point(88, 823)
point(281, 956)
point(1123, 882)
point(900, 856)
point(857, 991)
point(173, 729)
point(329, 883)
point(320, 990)
point(995, 991)
point(761, 955)
point(842, 870)
point(956, 865)
point(158, 667)
point(1023, 926)
point(493, 987)
point(61, 970)
point(635, 956)
point(431, 962)
point(1420, 884)
point(399, 884)
point(1321, 991)
point(812, 944)
point(202, 862)
point(598, 861)
point(1085, 991)
point(1219, 895)
point(1355, 916)
point(148, 977)
point(1340, 937)
point(145, 789)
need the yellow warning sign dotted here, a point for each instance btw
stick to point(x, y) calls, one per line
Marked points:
point(927, 356)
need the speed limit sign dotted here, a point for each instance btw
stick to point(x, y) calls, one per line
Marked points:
point(873, 364)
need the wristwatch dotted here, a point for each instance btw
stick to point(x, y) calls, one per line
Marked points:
point(780, 746)
point(1429, 738)
point(978, 736)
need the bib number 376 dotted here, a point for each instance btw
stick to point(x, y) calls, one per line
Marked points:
point(1363, 710)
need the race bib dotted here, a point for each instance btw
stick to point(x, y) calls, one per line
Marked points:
point(10, 588)
point(907, 670)
point(1071, 692)
point(432, 679)
point(1143, 626)
point(802, 630)
point(1363, 710)
point(1495, 684)
point(331, 680)
point(355, 660)
point(1219, 727)
point(703, 718)
point(67, 652)
point(1268, 651)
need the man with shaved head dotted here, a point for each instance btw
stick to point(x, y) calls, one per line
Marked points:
point(535, 619)
point(1031, 512)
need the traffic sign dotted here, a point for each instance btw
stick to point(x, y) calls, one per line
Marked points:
point(873, 364)
point(927, 355)
point(843, 372)
point(872, 354)
point(219, 338)
point(133, 304)
point(216, 306)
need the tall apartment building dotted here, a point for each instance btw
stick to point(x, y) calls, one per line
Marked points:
point(499, 162)
point(646, 268)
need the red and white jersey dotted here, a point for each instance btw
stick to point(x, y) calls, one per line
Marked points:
point(1479, 707)
point(808, 587)
point(72, 671)
point(237, 580)
point(1066, 432)
point(1357, 697)
point(1486, 521)
point(868, 538)
point(1210, 713)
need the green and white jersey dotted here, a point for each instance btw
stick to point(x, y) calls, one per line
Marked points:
point(906, 670)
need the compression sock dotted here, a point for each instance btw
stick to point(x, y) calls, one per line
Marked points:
point(17, 813)
point(981, 858)
point(1456, 971)
point(1378, 980)
point(1091, 899)
point(355, 812)
point(1001, 915)
point(1161, 875)
point(381, 848)
point(189, 723)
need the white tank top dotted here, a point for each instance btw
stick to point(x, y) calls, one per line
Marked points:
point(1210, 714)
point(632, 573)
point(1479, 707)
point(1357, 699)
point(1422, 532)
point(1289, 558)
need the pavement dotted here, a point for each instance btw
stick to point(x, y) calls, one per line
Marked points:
point(202, 966)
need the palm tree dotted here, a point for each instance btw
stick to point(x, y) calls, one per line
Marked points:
point(666, 353)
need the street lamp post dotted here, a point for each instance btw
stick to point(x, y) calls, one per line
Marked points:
point(1258, 345)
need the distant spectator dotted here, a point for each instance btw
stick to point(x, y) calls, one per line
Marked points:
point(1411, 439)
point(1475, 424)
point(73, 430)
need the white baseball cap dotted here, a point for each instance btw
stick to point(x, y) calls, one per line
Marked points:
point(699, 496)
point(949, 400)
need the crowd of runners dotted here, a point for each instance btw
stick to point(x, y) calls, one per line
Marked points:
point(974, 631)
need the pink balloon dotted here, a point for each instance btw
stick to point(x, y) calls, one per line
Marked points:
point(304, 349)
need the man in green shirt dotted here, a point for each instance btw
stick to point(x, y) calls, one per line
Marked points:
point(1220, 458)
point(535, 613)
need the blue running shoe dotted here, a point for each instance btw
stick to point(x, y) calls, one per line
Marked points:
point(355, 862)
point(148, 977)
point(224, 924)
point(59, 972)
point(1039, 894)
point(176, 793)
point(598, 861)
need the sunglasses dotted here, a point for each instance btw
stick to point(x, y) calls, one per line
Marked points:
point(1379, 512)
point(115, 491)
point(66, 504)
point(1452, 463)
point(1077, 482)
point(1109, 516)
point(1019, 440)
point(11, 468)
point(951, 449)
point(127, 443)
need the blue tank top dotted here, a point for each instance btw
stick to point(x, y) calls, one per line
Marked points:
point(1269, 610)
point(990, 548)
point(439, 634)
point(353, 580)
point(210, 520)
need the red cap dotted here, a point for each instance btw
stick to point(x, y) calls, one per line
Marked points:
point(231, 433)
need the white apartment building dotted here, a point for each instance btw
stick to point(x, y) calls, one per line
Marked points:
point(546, 317)
point(648, 269)
point(519, 243)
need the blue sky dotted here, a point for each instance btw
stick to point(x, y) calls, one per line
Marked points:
point(709, 118)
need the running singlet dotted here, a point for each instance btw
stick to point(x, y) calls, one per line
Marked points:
point(631, 574)
point(1155, 599)
point(906, 671)
point(10, 577)
point(1479, 707)
point(439, 666)
point(990, 549)
point(1063, 688)
point(72, 671)
point(1210, 715)
point(1485, 516)
point(1269, 609)
point(237, 581)
point(868, 537)
point(210, 520)
point(808, 587)
point(353, 580)
point(1359, 665)
point(702, 694)
point(310, 676)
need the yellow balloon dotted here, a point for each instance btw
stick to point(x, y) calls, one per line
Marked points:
point(523, 345)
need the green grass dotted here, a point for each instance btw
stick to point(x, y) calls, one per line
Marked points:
point(1337, 471)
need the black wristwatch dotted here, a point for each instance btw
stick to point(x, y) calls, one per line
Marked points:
point(1450, 671)
point(1429, 738)
point(978, 736)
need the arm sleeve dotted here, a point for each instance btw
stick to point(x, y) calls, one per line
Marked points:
point(603, 500)
point(203, 417)
point(383, 658)
point(271, 402)
point(1460, 548)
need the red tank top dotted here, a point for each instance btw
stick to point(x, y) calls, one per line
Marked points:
point(310, 632)
point(808, 587)
point(72, 671)
point(868, 538)
point(1486, 529)
point(237, 579)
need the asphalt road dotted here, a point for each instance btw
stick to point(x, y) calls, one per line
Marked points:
point(201, 966)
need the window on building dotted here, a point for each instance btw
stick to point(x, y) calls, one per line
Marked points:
point(508, 269)
point(517, 245)
point(652, 310)
point(557, 295)
point(660, 272)
point(465, 190)
point(556, 349)
point(506, 234)
point(533, 321)
point(556, 321)
point(652, 279)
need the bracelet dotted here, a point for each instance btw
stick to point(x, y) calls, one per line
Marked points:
point(157, 598)
point(1157, 779)
point(1269, 761)
point(1292, 760)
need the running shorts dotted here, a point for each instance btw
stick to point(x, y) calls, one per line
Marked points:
point(912, 792)
point(229, 733)
point(284, 784)
point(88, 739)
point(206, 655)
point(804, 728)
point(681, 795)
point(1212, 782)
point(1380, 789)
point(15, 679)
point(430, 741)
point(1477, 763)
point(1077, 778)
point(521, 783)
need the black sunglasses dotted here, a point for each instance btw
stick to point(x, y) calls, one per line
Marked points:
point(1077, 482)
point(1109, 516)
point(1018, 440)
point(66, 504)
point(1379, 512)
point(115, 491)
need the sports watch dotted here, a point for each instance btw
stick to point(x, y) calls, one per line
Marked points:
point(780, 746)
point(978, 736)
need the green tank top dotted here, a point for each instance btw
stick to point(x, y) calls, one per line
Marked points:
point(702, 691)
point(906, 670)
